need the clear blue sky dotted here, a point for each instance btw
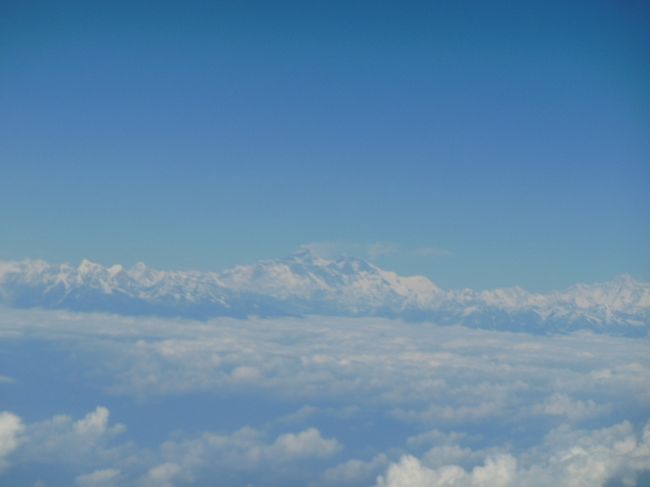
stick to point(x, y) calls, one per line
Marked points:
point(516, 135)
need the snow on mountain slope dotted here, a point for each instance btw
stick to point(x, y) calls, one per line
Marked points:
point(307, 284)
point(93, 287)
point(348, 284)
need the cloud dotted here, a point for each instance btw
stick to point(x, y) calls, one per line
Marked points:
point(417, 373)
point(372, 251)
point(563, 405)
point(90, 442)
point(355, 471)
point(162, 475)
point(11, 427)
point(248, 448)
point(409, 472)
point(99, 478)
point(336, 401)
point(566, 456)
point(573, 458)
point(308, 443)
point(93, 443)
point(95, 423)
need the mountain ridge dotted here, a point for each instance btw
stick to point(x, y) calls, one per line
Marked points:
point(305, 283)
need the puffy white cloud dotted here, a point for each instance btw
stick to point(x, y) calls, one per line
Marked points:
point(89, 442)
point(308, 443)
point(162, 475)
point(249, 448)
point(354, 472)
point(574, 410)
point(409, 472)
point(93, 443)
point(94, 423)
point(11, 426)
point(572, 458)
point(99, 478)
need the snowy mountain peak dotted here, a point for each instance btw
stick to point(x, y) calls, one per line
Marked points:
point(88, 267)
point(305, 283)
point(115, 270)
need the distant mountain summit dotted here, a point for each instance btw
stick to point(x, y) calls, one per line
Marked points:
point(305, 283)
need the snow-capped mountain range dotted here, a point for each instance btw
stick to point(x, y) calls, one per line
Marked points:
point(307, 284)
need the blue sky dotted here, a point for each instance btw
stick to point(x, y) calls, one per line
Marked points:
point(204, 134)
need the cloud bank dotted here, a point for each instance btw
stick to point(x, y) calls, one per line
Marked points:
point(319, 401)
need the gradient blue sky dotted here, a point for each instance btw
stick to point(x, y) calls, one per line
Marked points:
point(516, 135)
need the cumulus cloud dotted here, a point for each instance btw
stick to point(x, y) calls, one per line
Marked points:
point(88, 442)
point(248, 448)
point(355, 472)
point(574, 410)
point(92, 442)
point(11, 427)
point(568, 457)
point(162, 475)
point(409, 472)
point(99, 478)
point(94, 423)
point(308, 443)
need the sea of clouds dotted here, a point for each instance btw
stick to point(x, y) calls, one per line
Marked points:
point(102, 400)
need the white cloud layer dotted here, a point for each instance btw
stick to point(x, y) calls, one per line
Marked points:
point(363, 402)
